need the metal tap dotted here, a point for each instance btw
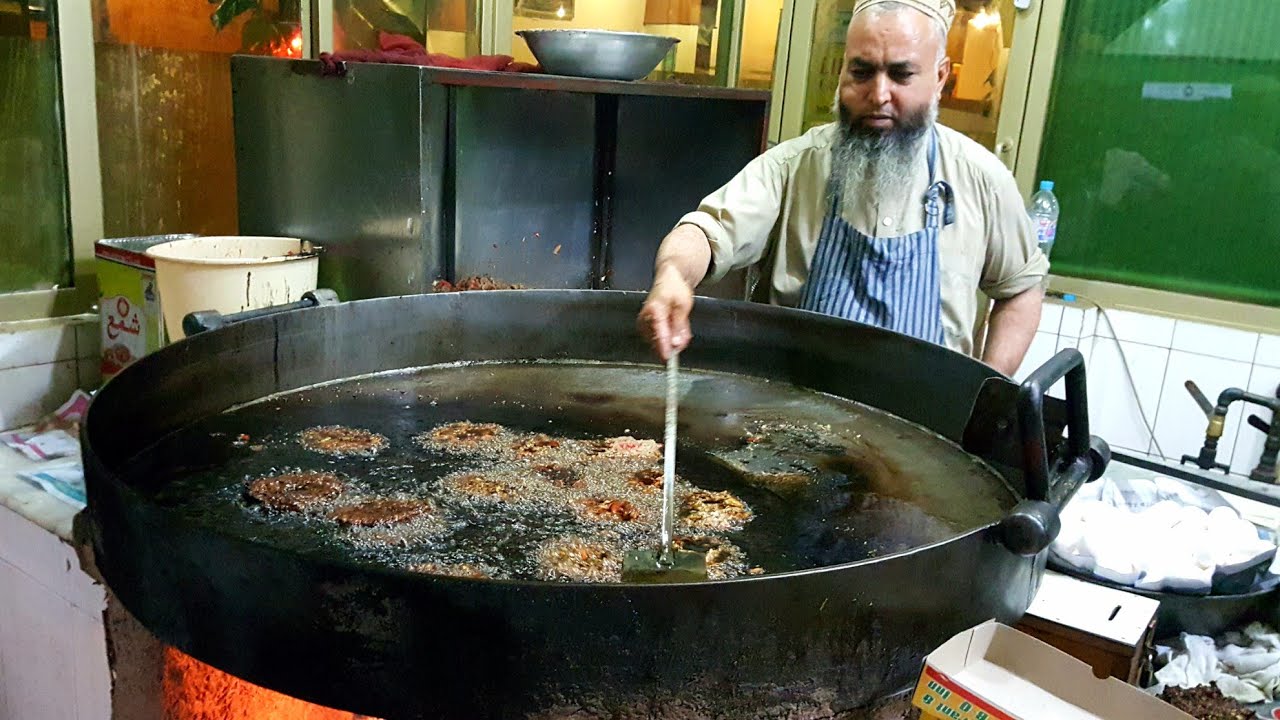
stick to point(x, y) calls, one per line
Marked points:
point(1217, 414)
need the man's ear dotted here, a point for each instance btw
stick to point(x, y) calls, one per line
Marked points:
point(944, 72)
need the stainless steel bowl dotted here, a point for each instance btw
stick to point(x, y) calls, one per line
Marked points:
point(600, 54)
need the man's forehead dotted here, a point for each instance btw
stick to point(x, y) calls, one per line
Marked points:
point(941, 11)
point(891, 39)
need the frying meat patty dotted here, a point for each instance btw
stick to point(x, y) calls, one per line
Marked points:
point(606, 509)
point(295, 492)
point(474, 282)
point(484, 488)
point(576, 558)
point(646, 480)
point(714, 511)
point(380, 511)
point(342, 440)
point(462, 570)
point(463, 434)
point(559, 475)
point(629, 447)
point(531, 446)
point(724, 559)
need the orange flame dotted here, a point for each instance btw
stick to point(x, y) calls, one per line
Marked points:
point(195, 691)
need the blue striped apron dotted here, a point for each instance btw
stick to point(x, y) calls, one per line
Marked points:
point(891, 283)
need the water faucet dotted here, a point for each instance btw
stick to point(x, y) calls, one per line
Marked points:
point(1217, 414)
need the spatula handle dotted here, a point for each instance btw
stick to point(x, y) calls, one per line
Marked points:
point(669, 458)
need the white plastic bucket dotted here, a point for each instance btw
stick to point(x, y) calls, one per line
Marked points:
point(230, 274)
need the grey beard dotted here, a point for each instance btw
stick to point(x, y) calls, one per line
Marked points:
point(874, 166)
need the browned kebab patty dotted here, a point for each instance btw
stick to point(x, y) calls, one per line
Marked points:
point(715, 511)
point(464, 434)
point(606, 509)
point(1206, 703)
point(296, 491)
point(474, 282)
point(627, 447)
point(462, 570)
point(724, 559)
point(479, 486)
point(531, 446)
point(575, 558)
point(647, 480)
point(559, 475)
point(342, 440)
point(380, 511)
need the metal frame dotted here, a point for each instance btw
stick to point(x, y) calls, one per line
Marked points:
point(84, 174)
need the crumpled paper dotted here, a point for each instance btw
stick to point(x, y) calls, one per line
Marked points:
point(1245, 668)
point(56, 436)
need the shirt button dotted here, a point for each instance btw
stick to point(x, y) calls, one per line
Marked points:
point(887, 222)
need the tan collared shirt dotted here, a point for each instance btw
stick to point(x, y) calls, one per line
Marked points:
point(773, 211)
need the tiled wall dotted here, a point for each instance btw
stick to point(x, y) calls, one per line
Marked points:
point(42, 362)
point(1162, 354)
point(53, 648)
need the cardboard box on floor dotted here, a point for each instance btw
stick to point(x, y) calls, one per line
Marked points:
point(993, 672)
point(1109, 629)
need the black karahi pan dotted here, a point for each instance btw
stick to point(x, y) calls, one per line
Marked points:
point(349, 632)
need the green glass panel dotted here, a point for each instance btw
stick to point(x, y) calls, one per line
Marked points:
point(35, 243)
point(1163, 139)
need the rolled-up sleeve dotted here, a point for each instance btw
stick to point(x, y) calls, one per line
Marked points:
point(1014, 263)
point(739, 218)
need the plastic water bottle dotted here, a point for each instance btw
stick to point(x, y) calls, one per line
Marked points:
point(1044, 216)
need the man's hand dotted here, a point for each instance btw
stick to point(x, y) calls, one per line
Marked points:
point(683, 259)
point(664, 318)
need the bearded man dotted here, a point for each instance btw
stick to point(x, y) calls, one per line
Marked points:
point(884, 217)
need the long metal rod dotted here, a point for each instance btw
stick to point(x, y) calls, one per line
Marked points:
point(669, 461)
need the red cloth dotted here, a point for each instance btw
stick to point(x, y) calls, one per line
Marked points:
point(403, 50)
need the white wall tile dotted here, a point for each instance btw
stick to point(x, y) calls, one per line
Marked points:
point(48, 561)
point(1221, 342)
point(1072, 322)
point(1180, 423)
point(1114, 413)
point(37, 346)
point(1089, 324)
point(88, 339)
point(28, 393)
point(1050, 318)
point(1043, 346)
point(1137, 327)
point(36, 642)
point(1268, 351)
point(89, 372)
point(92, 669)
point(1249, 441)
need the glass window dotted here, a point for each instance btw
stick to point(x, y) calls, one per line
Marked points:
point(441, 26)
point(164, 106)
point(35, 242)
point(978, 46)
point(700, 58)
point(760, 21)
point(1164, 145)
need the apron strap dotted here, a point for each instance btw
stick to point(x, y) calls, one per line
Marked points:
point(938, 191)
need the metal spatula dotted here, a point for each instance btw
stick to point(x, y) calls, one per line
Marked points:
point(665, 564)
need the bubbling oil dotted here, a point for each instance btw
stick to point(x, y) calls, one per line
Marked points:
point(823, 480)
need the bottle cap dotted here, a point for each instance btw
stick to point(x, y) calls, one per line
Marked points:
point(1046, 185)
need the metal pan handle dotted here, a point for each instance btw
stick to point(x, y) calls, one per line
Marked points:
point(1034, 522)
point(206, 320)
